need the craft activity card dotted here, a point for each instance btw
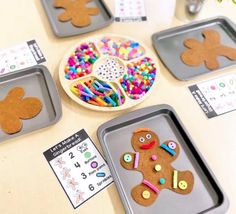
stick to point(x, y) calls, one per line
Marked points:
point(79, 167)
point(216, 96)
point(130, 11)
point(20, 56)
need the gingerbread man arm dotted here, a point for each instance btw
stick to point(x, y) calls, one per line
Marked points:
point(64, 17)
point(93, 11)
point(29, 107)
point(211, 37)
point(16, 93)
point(192, 43)
point(169, 150)
point(127, 160)
point(182, 182)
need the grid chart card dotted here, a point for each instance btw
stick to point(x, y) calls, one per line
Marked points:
point(21, 56)
point(130, 11)
point(216, 96)
point(79, 167)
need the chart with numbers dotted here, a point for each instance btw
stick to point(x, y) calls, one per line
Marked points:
point(130, 10)
point(20, 56)
point(216, 96)
point(79, 167)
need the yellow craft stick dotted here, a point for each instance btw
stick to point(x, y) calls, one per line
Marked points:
point(175, 179)
point(75, 90)
point(100, 101)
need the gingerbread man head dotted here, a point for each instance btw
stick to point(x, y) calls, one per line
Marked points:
point(144, 139)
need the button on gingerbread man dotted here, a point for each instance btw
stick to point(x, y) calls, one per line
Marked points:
point(153, 160)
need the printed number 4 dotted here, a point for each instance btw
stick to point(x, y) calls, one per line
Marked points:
point(91, 187)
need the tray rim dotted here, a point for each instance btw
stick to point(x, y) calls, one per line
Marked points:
point(94, 28)
point(52, 90)
point(101, 131)
point(178, 28)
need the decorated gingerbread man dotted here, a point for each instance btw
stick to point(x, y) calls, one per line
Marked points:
point(153, 160)
point(76, 11)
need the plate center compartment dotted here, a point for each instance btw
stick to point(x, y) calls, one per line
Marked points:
point(109, 68)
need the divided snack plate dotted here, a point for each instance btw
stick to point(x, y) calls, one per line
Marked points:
point(115, 137)
point(169, 45)
point(36, 82)
point(65, 29)
point(126, 68)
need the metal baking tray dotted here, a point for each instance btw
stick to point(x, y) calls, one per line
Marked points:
point(65, 29)
point(115, 137)
point(169, 45)
point(37, 82)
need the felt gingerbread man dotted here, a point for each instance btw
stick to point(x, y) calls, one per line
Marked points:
point(153, 160)
point(76, 11)
point(207, 52)
point(15, 107)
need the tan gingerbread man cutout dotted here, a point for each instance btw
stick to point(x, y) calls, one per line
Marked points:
point(206, 51)
point(14, 107)
point(76, 12)
point(154, 162)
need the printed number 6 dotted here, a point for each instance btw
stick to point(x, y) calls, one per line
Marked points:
point(91, 187)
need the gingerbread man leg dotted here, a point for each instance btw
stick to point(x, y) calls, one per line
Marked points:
point(10, 123)
point(143, 195)
point(228, 52)
point(211, 62)
point(81, 21)
point(182, 182)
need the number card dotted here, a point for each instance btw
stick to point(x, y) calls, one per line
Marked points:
point(216, 96)
point(20, 56)
point(79, 167)
point(130, 11)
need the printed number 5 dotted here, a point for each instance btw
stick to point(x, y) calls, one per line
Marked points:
point(84, 176)
point(91, 187)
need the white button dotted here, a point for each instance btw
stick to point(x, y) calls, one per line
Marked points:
point(172, 145)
